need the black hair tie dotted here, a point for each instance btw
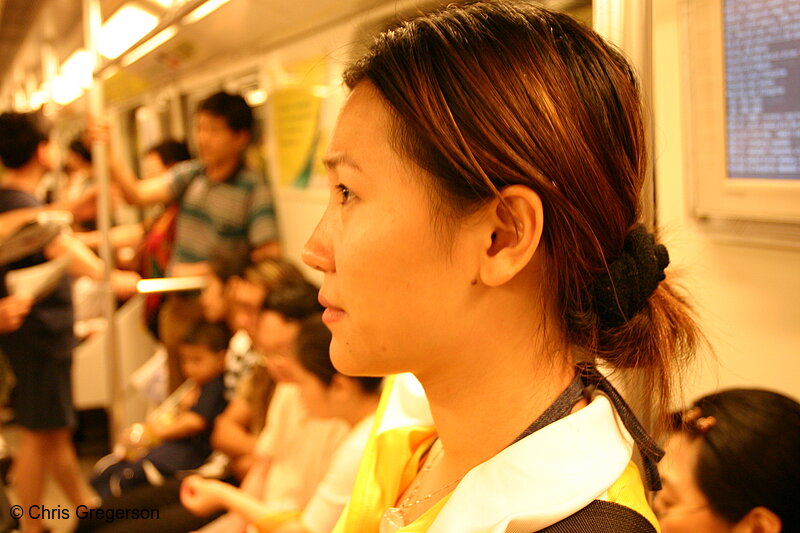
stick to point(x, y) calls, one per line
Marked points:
point(622, 291)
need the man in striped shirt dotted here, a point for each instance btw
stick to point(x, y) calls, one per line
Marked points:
point(226, 216)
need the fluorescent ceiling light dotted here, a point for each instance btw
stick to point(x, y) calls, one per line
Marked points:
point(204, 10)
point(77, 69)
point(38, 99)
point(166, 4)
point(126, 26)
point(65, 90)
point(149, 45)
point(255, 97)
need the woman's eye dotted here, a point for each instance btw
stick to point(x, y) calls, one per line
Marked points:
point(344, 193)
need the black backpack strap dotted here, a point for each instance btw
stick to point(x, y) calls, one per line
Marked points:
point(650, 450)
point(603, 517)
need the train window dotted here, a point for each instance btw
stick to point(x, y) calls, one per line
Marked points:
point(742, 115)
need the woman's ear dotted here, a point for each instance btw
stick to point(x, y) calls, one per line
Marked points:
point(511, 230)
point(759, 520)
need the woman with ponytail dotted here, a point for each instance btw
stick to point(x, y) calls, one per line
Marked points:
point(484, 235)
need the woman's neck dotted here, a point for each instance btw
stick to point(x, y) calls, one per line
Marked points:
point(482, 411)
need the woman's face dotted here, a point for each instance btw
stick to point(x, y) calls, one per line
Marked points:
point(680, 505)
point(392, 286)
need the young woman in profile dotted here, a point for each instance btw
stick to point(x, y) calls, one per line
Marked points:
point(483, 234)
point(732, 465)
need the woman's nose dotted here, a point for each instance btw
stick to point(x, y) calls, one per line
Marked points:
point(318, 251)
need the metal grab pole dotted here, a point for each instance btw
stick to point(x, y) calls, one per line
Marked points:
point(92, 20)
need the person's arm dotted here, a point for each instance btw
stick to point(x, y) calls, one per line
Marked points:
point(84, 262)
point(230, 435)
point(137, 192)
point(183, 425)
point(13, 310)
point(12, 220)
point(120, 236)
point(204, 496)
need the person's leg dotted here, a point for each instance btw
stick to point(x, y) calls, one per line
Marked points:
point(28, 473)
point(63, 463)
point(142, 497)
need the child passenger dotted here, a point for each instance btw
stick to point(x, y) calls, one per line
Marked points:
point(325, 394)
point(184, 433)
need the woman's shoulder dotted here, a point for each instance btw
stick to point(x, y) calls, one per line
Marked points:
point(629, 492)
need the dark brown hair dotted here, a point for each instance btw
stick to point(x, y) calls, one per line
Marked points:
point(231, 107)
point(313, 354)
point(750, 456)
point(215, 337)
point(170, 152)
point(20, 136)
point(493, 94)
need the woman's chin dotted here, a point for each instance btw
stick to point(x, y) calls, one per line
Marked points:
point(354, 364)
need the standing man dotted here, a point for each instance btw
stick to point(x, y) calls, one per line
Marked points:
point(226, 216)
point(39, 345)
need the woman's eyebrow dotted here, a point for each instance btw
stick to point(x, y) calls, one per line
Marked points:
point(335, 160)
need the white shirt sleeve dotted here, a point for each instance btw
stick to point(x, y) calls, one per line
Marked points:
point(333, 492)
point(285, 398)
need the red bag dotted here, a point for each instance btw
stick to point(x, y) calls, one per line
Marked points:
point(156, 252)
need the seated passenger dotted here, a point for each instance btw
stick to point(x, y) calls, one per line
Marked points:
point(733, 464)
point(184, 433)
point(326, 394)
point(245, 296)
point(236, 428)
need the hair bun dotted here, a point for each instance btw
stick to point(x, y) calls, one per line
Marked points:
point(622, 291)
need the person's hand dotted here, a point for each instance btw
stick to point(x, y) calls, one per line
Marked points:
point(201, 496)
point(190, 398)
point(123, 282)
point(84, 207)
point(13, 310)
point(202, 268)
point(97, 130)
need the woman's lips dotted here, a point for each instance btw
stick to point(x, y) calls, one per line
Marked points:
point(331, 313)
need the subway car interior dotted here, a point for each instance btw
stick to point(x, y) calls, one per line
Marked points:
point(243, 105)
